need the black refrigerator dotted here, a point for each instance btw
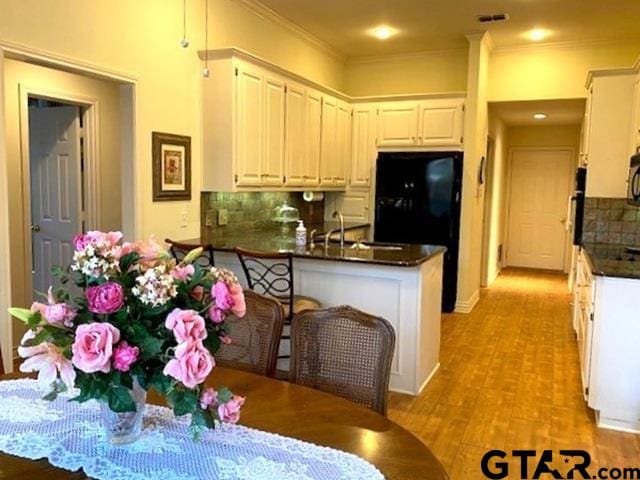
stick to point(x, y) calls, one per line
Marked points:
point(418, 201)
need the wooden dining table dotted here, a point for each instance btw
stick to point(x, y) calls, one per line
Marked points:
point(298, 412)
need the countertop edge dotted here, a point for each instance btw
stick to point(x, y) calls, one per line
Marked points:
point(601, 272)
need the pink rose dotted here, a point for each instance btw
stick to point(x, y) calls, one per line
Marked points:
point(192, 364)
point(230, 412)
point(183, 272)
point(81, 241)
point(93, 347)
point(209, 397)
point(124, 356)
point(106, 298)
point(220, 291)
point(237, 295)
point(186, 325)
point(216, 315)
point(58, 314)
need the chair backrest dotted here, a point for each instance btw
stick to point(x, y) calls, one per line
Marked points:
point(255, 337)
point(345, 352)
point(180, 250)
point(269, 273)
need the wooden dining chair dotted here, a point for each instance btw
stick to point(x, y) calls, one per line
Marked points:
point(255, 337)
point(345, 352)
point(271, 274)
point(180, 250)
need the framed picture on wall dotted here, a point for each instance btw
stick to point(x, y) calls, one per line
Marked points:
point(171, 167)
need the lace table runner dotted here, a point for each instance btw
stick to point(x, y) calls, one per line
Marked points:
point(70, 436)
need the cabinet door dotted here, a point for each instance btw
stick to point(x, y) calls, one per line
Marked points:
point(398, 124)
point(313, 107)
point(343, 144)
point(328, 145)
point(295, 137)
point(586, 130)
point(274, 134)
point(250, 108)
point(363, 152)
point(441, 122)
point(636, 117)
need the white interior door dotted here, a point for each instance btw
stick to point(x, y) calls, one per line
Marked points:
point(537, 209)
point(56, 195)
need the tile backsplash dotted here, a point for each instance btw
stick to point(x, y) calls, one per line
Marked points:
point(612, 221)
point(250, 210)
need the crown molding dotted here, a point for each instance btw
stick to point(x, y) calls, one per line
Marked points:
point(576, 44)
point(404, 56)
point(267, 13)
point(609, 72)
point(45, 58)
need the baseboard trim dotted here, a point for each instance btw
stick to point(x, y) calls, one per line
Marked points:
point(628, 426)
point(428, 379)
point(467, 306)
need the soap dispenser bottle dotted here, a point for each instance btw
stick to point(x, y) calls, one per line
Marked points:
point(301, 235)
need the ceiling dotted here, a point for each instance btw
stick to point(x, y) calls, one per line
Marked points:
point(442, 24)
point(559, 112)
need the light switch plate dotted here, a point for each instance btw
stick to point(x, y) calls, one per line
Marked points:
point(223, 217)
point(184, 219)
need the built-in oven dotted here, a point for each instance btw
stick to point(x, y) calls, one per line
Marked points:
point(633, 190)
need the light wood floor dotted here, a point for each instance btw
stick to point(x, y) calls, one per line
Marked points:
point(509, 379)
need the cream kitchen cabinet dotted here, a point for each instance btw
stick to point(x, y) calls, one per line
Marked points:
point(336, 142)
point(303, 123)
point(363, 145)
point(635, 134)
point(607, 328)
point(429, 123)
point(244, 127)
point(397, 124)
point(440, 122)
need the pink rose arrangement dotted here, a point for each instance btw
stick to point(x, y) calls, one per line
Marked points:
point(142, 316)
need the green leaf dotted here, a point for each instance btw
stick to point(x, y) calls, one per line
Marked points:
point(183, 401)
point(202, 418)
point(127, 260)
point(161, 383)
point(126, 380)
point(224, 395)
point(120, 400)
point(212, 342)
point(51, 396)
point(192, 255)
point(23, 314)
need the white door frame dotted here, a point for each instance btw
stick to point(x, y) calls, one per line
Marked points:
point(512, 150)
point(134, 196)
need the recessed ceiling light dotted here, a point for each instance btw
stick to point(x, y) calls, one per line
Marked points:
point(538, 34)
point(539, 116)
point(383, 32)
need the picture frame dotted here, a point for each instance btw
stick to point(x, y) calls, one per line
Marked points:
point(171, 167)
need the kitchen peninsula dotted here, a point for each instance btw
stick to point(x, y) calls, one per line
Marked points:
point(402, 283)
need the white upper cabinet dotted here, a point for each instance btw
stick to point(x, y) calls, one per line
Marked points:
point(398, 123)
point(328, 146)
point(313, 130)
point(249, 153)
point(429, 123)
point(266, 128)
point(343, 144)
point(441, 122)
point(636, 117)
point(335, 143)
point(295, 136)
point(363, 150)
point(274, 132)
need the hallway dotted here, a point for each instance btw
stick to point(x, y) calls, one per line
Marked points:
point(510, 379)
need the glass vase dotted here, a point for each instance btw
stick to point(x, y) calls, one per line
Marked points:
point(124, 427)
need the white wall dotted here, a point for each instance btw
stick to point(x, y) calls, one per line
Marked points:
point(539, 72)
point(496, 201)
point(440, 71)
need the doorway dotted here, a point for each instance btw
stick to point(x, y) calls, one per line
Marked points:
point(56, 165)
point(539, 192)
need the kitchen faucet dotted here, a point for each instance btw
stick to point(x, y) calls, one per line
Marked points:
point(335, 214)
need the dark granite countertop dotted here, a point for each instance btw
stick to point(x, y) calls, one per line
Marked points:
point(402, 255)
point(612, 260)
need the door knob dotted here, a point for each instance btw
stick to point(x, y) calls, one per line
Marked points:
point(35, 228)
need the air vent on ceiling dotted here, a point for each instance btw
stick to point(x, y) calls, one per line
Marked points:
point(498, 17)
